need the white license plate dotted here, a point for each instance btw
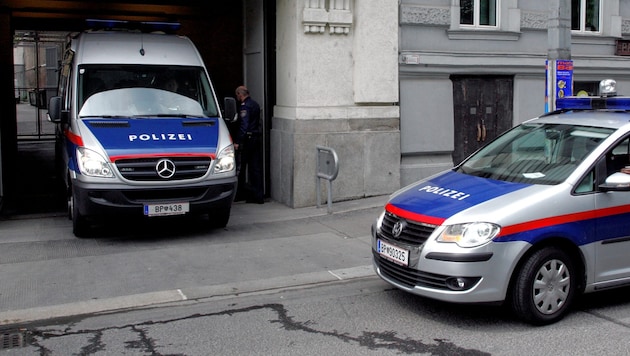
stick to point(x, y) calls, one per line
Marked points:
point(393, 253)
point(166, 209)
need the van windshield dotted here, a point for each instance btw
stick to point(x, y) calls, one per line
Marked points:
point(535, 153)
point(157, 90)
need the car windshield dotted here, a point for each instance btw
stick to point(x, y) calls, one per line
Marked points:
point(157, 90)
point(134, 102)
point(535, 153)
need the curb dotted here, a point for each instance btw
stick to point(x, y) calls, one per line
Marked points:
point(228, 290)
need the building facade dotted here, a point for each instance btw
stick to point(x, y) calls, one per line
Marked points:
point(470, 69)
point(400, 90)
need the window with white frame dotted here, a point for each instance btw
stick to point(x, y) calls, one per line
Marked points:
point(479, 13)
point(585, 15)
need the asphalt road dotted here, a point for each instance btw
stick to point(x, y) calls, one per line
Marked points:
point(277, 281)
point(358, 316)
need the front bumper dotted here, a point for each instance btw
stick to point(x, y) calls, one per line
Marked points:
point(449, 273)
point(119, 199)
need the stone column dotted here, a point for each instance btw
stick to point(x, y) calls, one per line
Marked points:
point(559, 30)
point(337, 86)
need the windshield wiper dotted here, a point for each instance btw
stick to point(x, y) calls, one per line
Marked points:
point(185, 116)
point(104, 117)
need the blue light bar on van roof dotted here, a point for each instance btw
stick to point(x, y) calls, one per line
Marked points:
point(593, 103)
point(145, 26)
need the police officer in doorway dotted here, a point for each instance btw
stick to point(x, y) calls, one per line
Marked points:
point(248, 143)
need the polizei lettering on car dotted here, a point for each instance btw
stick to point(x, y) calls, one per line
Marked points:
point(161, 137)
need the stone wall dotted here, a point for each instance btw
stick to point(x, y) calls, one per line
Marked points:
point(337, 86)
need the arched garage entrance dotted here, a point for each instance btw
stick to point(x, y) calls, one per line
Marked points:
point(231, 37)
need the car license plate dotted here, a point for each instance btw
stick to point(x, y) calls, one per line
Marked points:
point(166, 209)
point(393, 253)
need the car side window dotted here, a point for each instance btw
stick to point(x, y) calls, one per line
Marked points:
point(587, 184)
point(618, 157)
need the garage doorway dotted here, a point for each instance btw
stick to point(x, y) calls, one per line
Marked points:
point(36, 57)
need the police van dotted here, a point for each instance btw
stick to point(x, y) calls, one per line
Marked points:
point(139, 129)
point(536, 217)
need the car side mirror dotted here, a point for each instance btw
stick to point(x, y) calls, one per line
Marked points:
point(229, 105)
point(55, 113)
point(616, 182)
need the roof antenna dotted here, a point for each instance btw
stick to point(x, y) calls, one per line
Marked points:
point(142, 45)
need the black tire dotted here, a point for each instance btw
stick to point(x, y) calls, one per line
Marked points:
point(545, 286)
point(218, 218)
point(80, 225)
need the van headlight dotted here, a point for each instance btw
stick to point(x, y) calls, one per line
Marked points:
point(92, 164)
point(469, 234)
point(225, 161)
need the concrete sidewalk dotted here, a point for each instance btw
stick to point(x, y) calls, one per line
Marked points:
point(99, 275)
point(273, 211)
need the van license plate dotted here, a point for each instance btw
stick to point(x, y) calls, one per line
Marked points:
point(393, 253)
point(166, 209)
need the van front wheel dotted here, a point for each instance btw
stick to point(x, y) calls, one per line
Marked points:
point(218, 218)
point(544, 287)
point(80, 225)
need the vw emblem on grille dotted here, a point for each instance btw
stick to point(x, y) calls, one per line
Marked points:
point(398, 228)
point(165, 168)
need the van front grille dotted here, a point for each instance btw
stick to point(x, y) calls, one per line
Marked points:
point(146, 169)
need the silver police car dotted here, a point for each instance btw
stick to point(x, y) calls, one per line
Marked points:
point(537, 216)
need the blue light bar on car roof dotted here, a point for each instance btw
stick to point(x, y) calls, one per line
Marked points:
point(146, 26)
point(593, 103)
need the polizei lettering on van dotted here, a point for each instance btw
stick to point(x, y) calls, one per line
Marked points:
point(445, 192)
point(162, 137)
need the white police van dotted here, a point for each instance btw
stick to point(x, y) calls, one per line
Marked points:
point(139, 129)
point(537, 216)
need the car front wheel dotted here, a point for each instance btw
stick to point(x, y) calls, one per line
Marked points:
point(544, 287)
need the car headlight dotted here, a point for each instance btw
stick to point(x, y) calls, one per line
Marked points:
point(379, 220)
point(92, 164)
point(225, 161)
point(469, 234)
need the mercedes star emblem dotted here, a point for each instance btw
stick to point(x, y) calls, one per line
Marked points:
point(165, 168)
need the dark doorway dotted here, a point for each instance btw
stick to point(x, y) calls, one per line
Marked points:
point(28, 183)
point(482, 111)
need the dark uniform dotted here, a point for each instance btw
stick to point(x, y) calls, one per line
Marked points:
point(249, 139)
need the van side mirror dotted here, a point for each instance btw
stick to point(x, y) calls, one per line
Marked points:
point(229, 113)
point(55, 114)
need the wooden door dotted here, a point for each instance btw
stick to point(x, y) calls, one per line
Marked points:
point(482, 111)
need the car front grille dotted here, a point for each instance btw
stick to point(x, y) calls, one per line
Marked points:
point(414, 233)
point(144, 169)
point(409, 277)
